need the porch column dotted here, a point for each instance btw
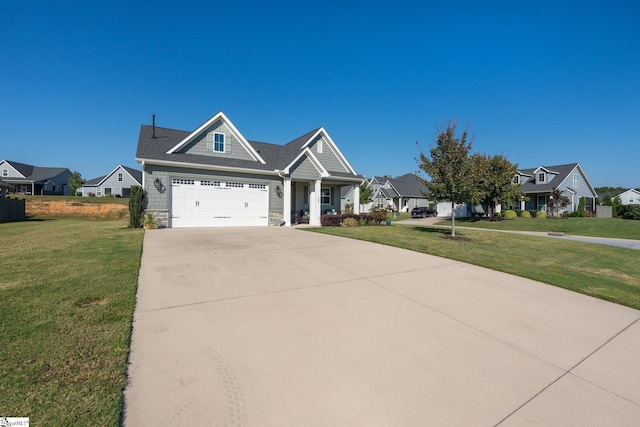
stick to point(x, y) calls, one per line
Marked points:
point(287, 201)
point(356, 199)
point(314, 203)
point(523, 204)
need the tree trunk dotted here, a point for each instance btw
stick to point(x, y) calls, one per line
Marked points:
point(453, 219)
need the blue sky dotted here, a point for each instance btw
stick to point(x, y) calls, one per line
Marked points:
point(542, 82)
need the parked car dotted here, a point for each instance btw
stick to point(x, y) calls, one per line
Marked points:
point(422, 212)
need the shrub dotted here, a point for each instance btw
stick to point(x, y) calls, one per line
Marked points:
point(379, 215)
point(350, 222)
point(525, 214)
point(136, 206)
point(332, 220)
point(509, 214)
point(150, 221)
point(629, 211)
point(541, 214)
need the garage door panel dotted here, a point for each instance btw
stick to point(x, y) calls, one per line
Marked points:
point(205, 204)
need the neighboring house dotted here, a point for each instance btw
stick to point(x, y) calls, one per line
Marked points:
point(538, 183)
point(630, 197)
point(117, 183)
point(35, 180)
point(399, 194)
point(213, 176)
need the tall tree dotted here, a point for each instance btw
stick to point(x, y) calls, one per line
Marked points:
point(454, 170)
point(365, 194)
point(75, 182)
point(497, 182)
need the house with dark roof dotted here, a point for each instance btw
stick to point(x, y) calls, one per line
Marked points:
point(399, 194)
point(214, 177)
point(116, 183)
point(630, 197)
point(538, 184)
point(35, 180)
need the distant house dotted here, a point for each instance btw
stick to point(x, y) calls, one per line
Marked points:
point(399, 194)
point(538, 184)
point(10, 209)
point(630, 197)
point(116, 183)
point(35, 180)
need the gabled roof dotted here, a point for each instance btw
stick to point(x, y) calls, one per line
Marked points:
point(631, 190)
point(408, 185)
point(218, 116)
point(134, 173)
point(561, 171)
point(271, 159)
point(35, 173)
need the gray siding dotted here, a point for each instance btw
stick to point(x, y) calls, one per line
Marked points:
point(112, 183)
point(304, 169)
point(157, 200)
point(582, 190)
point(202, 146)
point(328, 157)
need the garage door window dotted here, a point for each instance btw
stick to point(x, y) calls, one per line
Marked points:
point(180, 181)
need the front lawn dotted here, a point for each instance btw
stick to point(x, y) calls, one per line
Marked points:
point(605, 272)
point(596, 227)
point(68, 293)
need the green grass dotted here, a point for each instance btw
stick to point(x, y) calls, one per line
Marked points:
point(68, 293)
point(605, 272)
point(596, 227)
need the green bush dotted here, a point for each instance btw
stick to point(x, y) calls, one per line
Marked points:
point(509, 214)
point(350, 222)
point(136, 206)
point(541, 214)
point(525, 214)
point(629, 211)
point(379, 215)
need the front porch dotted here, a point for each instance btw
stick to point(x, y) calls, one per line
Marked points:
point(307, 201)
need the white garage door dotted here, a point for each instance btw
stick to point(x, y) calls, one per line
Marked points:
point(200, 203)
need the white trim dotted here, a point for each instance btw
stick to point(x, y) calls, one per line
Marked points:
point(314, 161)
point(332, 145)
point(206, 167)
point(220, 115)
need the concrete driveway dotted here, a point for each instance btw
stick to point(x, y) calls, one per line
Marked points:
point(283, 327)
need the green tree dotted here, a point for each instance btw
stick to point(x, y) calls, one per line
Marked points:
point(454, 170)
point(136, 206)
point(365, 194)
point(615, 204)
point(497, 182)
point(557, 201)
point(582, 203)
point(75, 182)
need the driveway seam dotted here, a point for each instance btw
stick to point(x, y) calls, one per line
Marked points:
point(577, 376)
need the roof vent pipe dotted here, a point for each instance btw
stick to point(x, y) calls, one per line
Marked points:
point(153, 125)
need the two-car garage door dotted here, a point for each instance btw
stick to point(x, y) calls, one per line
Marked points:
point(207, 203)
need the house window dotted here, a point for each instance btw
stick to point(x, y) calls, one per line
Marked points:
point(325, 196)
point(319, 146)
point(542, 203)
point(5, 172)
point(305, 195)
point(630, 199)
point(542, 177)
point(107, 191)
point(380, 202)
point(98, 192)
point(120, 177)
point(516, 179)
point(218, 142)
point(576, 180)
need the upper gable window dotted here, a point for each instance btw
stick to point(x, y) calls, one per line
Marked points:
point(319, 146)
point(120, 177)
point(631, 199)
point(216, 141)
point(5, 172)
point(576, 180)
point(516, 179)
point(542, 177)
